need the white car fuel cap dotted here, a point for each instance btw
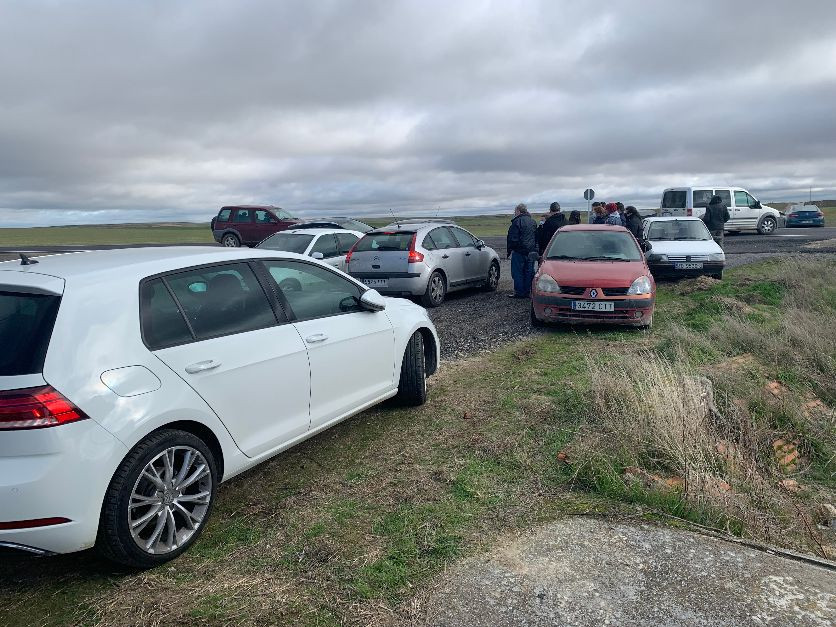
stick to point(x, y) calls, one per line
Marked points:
point(131, 380)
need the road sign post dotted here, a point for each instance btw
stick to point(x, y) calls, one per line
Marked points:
point(588, 195)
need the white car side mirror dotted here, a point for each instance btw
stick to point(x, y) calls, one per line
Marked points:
point(371, 300)
point(318, 255)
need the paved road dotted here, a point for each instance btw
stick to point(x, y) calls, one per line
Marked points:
point(586, 571)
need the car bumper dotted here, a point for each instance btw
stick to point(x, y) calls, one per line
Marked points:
point(626, 311)
point(397, 284)
point(669, 271)
point(55, 473)
point(810, 222)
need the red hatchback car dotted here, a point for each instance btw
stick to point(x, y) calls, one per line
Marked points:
point(247, 225)
point(593, 273)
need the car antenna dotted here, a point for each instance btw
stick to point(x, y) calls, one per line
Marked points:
point(26, 261)
point(394, 219)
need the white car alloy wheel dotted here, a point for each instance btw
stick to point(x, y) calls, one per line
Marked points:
point(170, 500)
point(767, 225)
point(493, 277)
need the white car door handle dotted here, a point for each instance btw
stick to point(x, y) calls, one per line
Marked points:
point(316, 338)
point(201, 366)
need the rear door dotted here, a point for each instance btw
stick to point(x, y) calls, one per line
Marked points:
point(450, 257)
point(725, 195)
point(216, 328)
point(674, 201)
point(344, 243)
point(380, 255)
point(701, 197)
point(242, 221)
point(351, 350)
point(475, 262)
point(326, 245)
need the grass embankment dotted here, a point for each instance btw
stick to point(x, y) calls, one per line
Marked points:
point(108, 234)
point(348, 526)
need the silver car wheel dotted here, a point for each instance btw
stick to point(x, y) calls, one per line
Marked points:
point(230, 241)
point(493, 275)
point(437, 288)
point(170, 500)
point(768, 225)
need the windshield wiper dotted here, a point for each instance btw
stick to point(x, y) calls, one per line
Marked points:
point(680, 239)
point(561, 257)
point(603, 258)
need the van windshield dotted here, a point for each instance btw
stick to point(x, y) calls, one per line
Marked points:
point(26, 322)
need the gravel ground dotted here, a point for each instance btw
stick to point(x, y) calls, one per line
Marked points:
point(586, 571)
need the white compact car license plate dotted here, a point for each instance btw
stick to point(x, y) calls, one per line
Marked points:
point(376, 282)
point(693, 265)
point(590, 305)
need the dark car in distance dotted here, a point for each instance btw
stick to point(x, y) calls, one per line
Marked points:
point(247, 225)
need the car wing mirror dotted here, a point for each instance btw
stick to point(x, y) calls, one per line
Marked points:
point(317, 255)
point(756, 204)
point(646, 246)
point(480, 244)
point(371, 300)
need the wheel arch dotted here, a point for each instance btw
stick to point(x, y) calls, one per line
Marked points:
point(430, 350)
point(199, 430)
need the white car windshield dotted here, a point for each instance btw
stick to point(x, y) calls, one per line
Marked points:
point(288, 242)
point(678, 230)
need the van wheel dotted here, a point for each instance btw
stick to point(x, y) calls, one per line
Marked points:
point(412, 387)
point(436, 290)
point(492, 282)
point(767, 225)
point(230, 240)
point(158, 501)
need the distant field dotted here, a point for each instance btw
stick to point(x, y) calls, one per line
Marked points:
point(165, 233)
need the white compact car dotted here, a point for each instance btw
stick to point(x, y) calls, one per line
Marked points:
point(328, 244)
point(134, 381)
point(682, 247)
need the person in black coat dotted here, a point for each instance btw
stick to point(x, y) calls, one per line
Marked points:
point(715, 217)
point(522, 249)
point(553, 221)
point(633, 222)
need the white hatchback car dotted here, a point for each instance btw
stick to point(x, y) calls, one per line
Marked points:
point(134, 381)
point(330, 245)
point(682, 247)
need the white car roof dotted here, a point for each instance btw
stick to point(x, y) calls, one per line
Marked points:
point(319, 231)
point(669, 218)
point(133, 264)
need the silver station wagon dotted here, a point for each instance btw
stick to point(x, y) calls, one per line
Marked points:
point(424, 259)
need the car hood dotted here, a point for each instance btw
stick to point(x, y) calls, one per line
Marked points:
point(594, 273)
point(685, 247)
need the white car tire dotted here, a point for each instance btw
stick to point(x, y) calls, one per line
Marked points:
point(412, 387)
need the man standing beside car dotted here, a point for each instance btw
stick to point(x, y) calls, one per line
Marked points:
point(554, 220)
point(522, 249)
point(715, 217)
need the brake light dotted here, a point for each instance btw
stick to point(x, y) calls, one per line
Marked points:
point(414, 255)
point(36, 408)
point(33, 522)
point(793, 215)
point(349, 253)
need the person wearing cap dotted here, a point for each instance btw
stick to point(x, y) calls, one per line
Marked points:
point(554, 220)
point(612, 215)
point(522, 249)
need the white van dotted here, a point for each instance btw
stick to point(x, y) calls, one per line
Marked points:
point(746, 211)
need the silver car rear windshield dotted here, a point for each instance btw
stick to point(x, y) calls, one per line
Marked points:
point(594, 246)
point(385, 241)
point(287, 242)
point(26, 322)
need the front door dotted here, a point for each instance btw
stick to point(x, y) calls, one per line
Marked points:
point(745, 215)
point(351, 350)
point(243, 223)
point(251, 369)
point(448, 255)
point(265, 224)
point(475, 259)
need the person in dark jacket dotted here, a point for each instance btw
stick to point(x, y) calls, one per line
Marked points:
point(553, 221)
point(522, 249)
point(633, 222)
point(575, 217)
point(621, 213)
point(612, 215)
point(599, 215)
point(715, 217)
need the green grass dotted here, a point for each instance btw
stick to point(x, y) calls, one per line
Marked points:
point(165, 233)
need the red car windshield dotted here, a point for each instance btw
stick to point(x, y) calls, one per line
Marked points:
point(594, 246)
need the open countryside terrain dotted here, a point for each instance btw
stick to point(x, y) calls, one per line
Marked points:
point(721, 417)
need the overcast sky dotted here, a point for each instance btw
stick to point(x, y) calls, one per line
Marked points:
point(116, 111)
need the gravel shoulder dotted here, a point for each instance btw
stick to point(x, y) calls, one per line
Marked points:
point(588, 571)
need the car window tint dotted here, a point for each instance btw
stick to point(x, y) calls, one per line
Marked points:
point(243, 215)
point(463, 237)
point(26, 322)
point(345, 241)
point(282, 214)
point(312, 291)
point(264, 217)
point(219, 300)
point(674, 199)
point(223, 216)
point(702, 197)
point(355, 225)
point(385, 241)
point(725, 196)
point(429, 243)
point(162, 323)
point(288, 242)
point(443, 238)
point(742, 199)
point(325, 244)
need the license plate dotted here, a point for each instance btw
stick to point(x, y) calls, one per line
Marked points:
point(591, 305)
point(806, 222)
point(693, 265)
point(376, 282)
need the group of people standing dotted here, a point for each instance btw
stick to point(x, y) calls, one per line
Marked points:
point(527, 240)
